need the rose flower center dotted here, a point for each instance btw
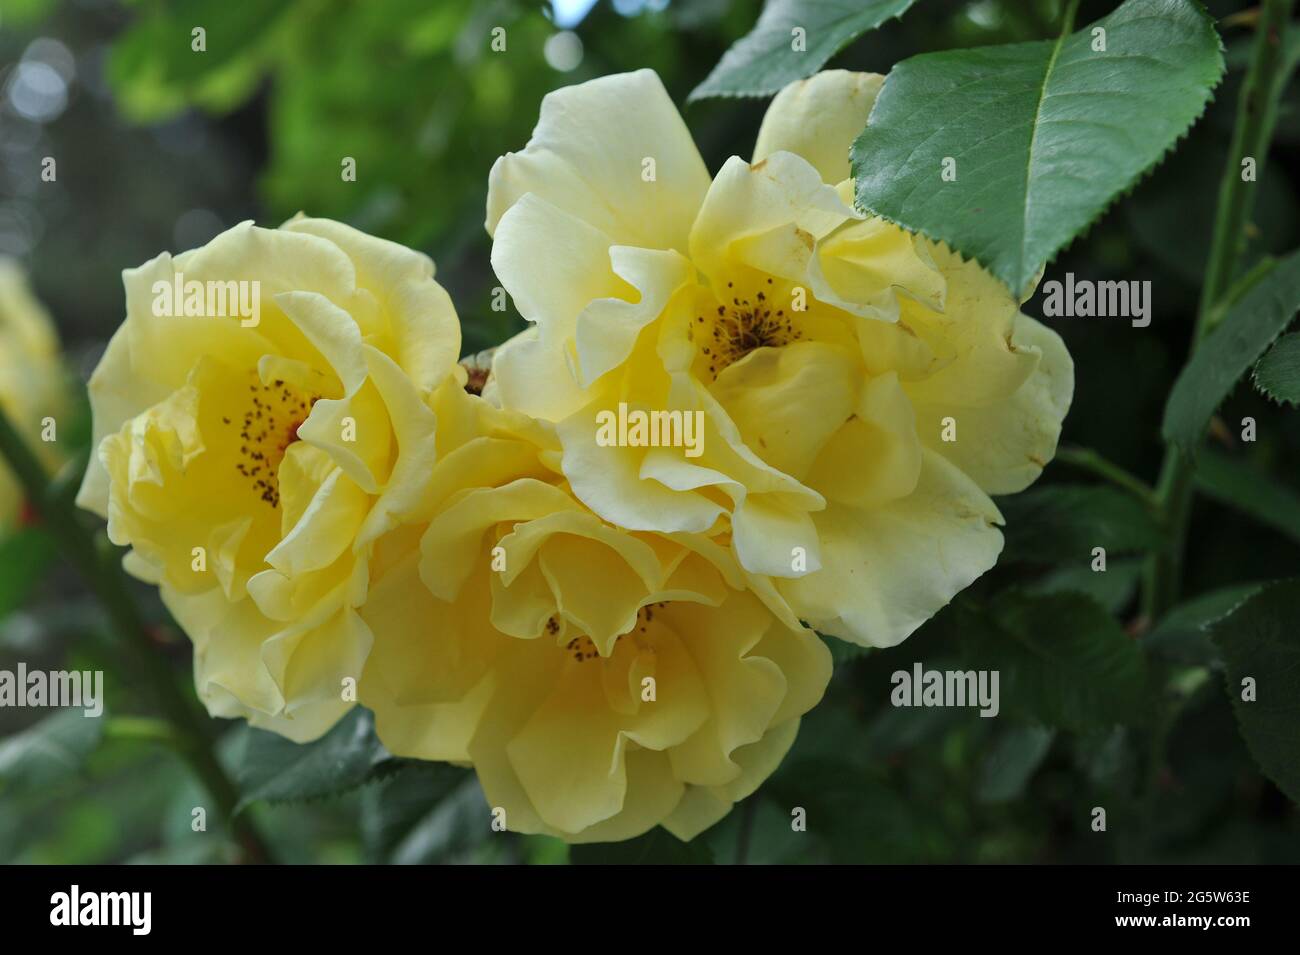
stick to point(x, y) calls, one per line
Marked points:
point(742, 322)
point(268, 425)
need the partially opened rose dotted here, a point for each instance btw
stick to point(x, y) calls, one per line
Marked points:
point(860, 391)
point(32, 381)
point(600, 681)
point(258, 416)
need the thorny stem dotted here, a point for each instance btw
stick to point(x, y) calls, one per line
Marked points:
point(1252, 131)
point(1256, 114)
point(100, 566)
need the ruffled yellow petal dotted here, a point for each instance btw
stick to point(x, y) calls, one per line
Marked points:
point(887, 570)
point(788, 402)
point(613, 152)
point(863, 266)
point(766, 216)
point(875, 456)
point(570, 754)
point(1005, 444)
point(253, 460)
point(818, 119)
point(531, 373)
point(702, 806)
point(230, 676)
point(971, 337)
point(618, 483)
point(745, 690)
point(423, 334)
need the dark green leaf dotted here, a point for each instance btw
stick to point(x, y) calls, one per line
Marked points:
point(426, 812)
point(1062, 661)
point(765, 59)
point(1249, 327)
point(280, 770)
point(1105, 757)
point(1044, 135)
point(1261, 642)
point(656, 847)
point(1064, 522)
point(855, 814)
point(1113, 589)
point(1278, 372)
point(843, 652)
point(50, 751)
point(1239, 484)
point(24, 556)
point(764, 831)
point(1205, 755)
point(1014, 758)
point(1184, 634)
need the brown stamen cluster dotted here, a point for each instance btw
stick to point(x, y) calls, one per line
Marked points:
point(743, 326)
point(269, 425)
point(583, 648)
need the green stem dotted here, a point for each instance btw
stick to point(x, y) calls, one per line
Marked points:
point(1252, 132)
point(100, 566)
point(140, 728)
point(1256, 116)
point(747, 813)
point(1067, 22)
point(1086, 459)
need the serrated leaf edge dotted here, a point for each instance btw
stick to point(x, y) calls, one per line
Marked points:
point(696, 95)
point(1122, 193)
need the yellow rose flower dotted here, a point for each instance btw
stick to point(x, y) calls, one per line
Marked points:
point(861, 391)
point(258, 417)
point(599, 681)
point(31, 380)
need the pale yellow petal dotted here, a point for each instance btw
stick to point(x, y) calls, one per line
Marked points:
point(863, 266)
point(117, 394)
point(415, 433)
point(531, 373)
point(745, 689)
point(703, 806)
point(355, 432)
point(426, 650)
point(972, 337)
point(818, 118)
point(424, 329)
point(452, 543)
point(765, 216)
point(1004, 445)
point(788, 402)
point(875, 457)
point(588, 155)
point(885, 571)
point(325, 531)
point(609, 479)
point(570, 754)
point(608, 328)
